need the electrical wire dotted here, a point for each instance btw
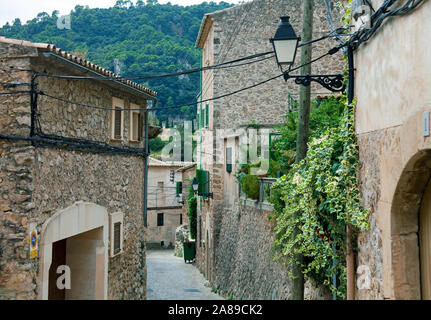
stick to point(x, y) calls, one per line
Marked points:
point(161, 108)
point(330, 52)
point(13, 92)
point(72, 144)
point(378, 17)
point(330, 22)
point(174, 74)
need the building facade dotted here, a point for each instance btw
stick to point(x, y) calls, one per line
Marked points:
point(234, 235)
point(71, 178)
point(393, 81)
point(165, 212)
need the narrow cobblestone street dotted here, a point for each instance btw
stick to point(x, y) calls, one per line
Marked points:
point(170, 278)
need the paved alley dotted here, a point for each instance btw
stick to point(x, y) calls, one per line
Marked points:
point(169, 278)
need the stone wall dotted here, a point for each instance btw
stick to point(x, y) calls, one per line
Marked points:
point(255, 23)
point(38, 182)
point(370, 242)
point(393, 171)
point(245, 267)
point(238, 32)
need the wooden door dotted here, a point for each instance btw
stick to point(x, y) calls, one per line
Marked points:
point(58, 259)
point(425, 244)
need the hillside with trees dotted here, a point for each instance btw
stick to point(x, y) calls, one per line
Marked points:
point(142, 38)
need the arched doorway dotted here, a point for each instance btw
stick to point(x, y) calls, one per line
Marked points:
point(78, 238)
point(411, 230)
point(425, 244)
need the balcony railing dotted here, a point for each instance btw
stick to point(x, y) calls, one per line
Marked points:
point(264, 189)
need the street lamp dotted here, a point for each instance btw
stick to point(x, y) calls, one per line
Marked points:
point(286, 43)
point(195, 185)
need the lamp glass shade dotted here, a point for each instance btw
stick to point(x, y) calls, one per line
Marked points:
point(285, 51)
point(285, 43)
point(195, 185)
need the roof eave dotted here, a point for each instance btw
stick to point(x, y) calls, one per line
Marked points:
point(202, 35)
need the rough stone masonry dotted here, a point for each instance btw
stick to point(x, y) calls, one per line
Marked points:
point(35, 182)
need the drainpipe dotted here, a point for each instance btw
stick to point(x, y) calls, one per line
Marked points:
point(350, 257)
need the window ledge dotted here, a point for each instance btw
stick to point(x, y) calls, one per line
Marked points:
point(116, 140)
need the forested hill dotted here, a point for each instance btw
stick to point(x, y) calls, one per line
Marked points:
point(146, 37)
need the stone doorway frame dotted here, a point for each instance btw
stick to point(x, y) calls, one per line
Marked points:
point(405, 227)
point(71, 221)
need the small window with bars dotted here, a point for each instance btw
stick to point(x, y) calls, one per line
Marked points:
point(117, 237)
point(116, 233)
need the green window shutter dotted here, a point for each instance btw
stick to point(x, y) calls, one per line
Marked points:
point(179, 187)
point(203, 178)
point(207, 182)
point(207, 114)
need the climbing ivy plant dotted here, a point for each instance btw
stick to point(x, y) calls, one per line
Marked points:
point(319, 196)
point(192, 212)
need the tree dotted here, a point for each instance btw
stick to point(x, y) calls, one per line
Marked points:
point(145, 37)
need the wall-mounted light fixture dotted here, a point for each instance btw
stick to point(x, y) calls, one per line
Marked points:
point(195, 185)
point(286, 43)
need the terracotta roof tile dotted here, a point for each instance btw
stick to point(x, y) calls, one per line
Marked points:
point(83, 62)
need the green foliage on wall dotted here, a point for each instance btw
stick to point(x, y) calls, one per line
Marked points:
point(157, 144)
point(325, 114)
point(319, 196)
point(146, 38)
point(250, 186)
point(192, 212)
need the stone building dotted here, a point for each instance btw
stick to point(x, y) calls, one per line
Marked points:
point(71, 178)
point(235, 237)
point(187, 174)
point(392, 87)
point(164, 207)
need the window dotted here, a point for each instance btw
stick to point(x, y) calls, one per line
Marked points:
point(229, 160)
point(160, 219)
point(117, 119)
point(116, 232)
point(136, 123)
point(117, 237)
point(172, 175)
point(181, 219)
point(179, 187)
point(203, 178)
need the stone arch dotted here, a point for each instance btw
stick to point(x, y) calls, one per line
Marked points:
point(75, 220)
point(405, 225)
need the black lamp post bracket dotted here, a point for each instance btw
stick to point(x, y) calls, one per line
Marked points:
point(332, 82)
